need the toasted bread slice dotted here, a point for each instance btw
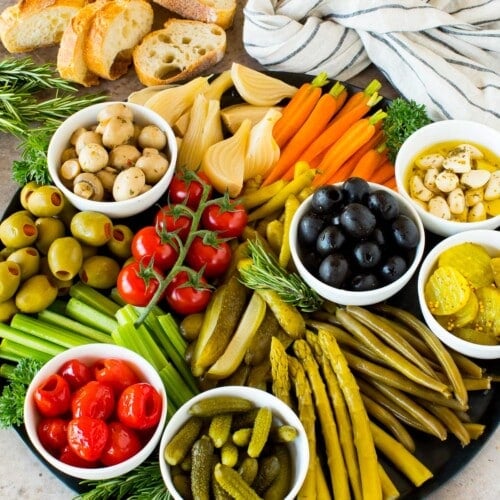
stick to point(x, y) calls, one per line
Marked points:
point(32, 24)
point(181, 50)
point(117, 27)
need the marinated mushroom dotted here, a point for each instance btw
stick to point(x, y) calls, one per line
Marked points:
point(154, 166)
point(124, 156)
point(107, 177)
point(87, 137)
point(117, 131)
point(93, 157)
point(69, 170)
point(152, 136)
point(88, 185)
point(116, 109)
point(129, 183)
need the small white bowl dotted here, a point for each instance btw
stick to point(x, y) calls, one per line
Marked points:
point(350, 297)
point(283, 414)
point(435, 133)
point(490, 241)
point(87, 117)
point(90, 353)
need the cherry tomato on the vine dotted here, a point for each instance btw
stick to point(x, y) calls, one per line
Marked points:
point(115, 372)
point(137, 284)
point(228, 219)
point(212, 254)
point(139, 406)
point(87, 437)
point(154, 243)
point(52, 432)
point(185, 188)
point(172, 218)
point(76, 373)
point(123, 443)
point(185, 297)
point(95, 399)
point(53, 396)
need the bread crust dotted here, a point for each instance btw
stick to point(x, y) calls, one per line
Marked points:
point(188, 67)
point(201, 10)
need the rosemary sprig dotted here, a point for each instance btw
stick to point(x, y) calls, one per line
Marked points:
point(267, 273)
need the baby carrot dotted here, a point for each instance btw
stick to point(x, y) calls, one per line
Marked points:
point(391, 183)
point(359, 97)
point(383, 173)
point(352, 139)
point(369, 162)
point(295, 113)
point(316, 122)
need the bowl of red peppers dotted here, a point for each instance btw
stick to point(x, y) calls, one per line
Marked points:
point(95, 411)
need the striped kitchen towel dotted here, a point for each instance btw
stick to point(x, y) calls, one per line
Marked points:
point(444, 54)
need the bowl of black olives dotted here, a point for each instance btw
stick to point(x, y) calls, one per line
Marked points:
point(356, 243)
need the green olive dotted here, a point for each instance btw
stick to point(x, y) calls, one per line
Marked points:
point(10, 278)
point(18, 230)
point(26, 192)
point(88, 250)
point(7, 310)
point(5, 252)
point(92, 228)
point(49, 229)
point(65, 258)
point(63, 286)
point(121, 238)
point(99, 271)
point(45, 201)
point(36, 294)
point(28, 259)
point(67, 213)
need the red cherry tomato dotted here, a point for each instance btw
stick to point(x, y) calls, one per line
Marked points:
point(185, 298)
point(227, 219)
point(87, 437)
point(185, 188)
point(53, 434)
point(68, 456)
point(173, 218)
point(53, 396)
point(94, 399)
point(212, 255)
point(152, 243)
point(133, 287)
point(122, 444)
point(115, 373)
point(75, 373)
point(139, 406)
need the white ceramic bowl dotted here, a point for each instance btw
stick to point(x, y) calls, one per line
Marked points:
point(434, 133)
point(283, 414)
point(87, 117)
point(488, 239)
point(350, 297)
point(90, 353)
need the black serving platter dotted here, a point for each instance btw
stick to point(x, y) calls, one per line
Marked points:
point(444, 458)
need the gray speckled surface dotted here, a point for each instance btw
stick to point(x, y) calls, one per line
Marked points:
point(23, 476)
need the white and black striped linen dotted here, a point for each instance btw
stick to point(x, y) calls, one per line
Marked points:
point(444, 54)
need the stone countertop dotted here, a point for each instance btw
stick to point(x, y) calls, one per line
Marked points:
point(23, 476)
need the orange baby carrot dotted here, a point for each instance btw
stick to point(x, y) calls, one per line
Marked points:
point(353, 138)
point(316, 122)
point(383, 173)
point(359, 97)
point(295, 113)
point(369, 162)
point(391, 183)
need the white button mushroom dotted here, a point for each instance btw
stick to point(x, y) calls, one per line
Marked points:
point(87, 137)
point(117, 131)
point(154, 167)
point(116, 109)
point(152, 136)
point(93, 157)
point(128, 184)
point(124, 156)
point(87, 185)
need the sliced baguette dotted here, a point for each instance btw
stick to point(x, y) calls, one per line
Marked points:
point(32, 24)
point(117, 27)
point(181, 50)
point(220, 12)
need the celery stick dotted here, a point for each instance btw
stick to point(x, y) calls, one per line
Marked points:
point(125, 335)
point(6, 370)
point(82, 312)
point(175, 385)
point(14, 351)
point(74, 326)
point(29, 341)
point(93, 298)
point(46, 331)
point(173, 332)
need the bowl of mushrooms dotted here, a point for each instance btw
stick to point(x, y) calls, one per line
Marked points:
point(116, 158)
point(450, 170)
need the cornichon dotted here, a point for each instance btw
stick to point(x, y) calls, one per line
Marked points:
point(260, 431)
point(229, 454)
point(203, 458)
point(217, 405)
point(269, 469)
point(233, 483)
point(248, 469)
point(181, 443)
point(281, 484)
point(220, 429)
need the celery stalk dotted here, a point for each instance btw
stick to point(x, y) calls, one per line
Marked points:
point(94, 298)
point(82, 312)
point(29, 341)
point(13, 351)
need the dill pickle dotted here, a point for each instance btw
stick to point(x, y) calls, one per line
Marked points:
point(180, 445)
point(241, 437)
point(245, 419)
point(282, 483)
point(182, 484)
point(216, 405)
point(488, 319)
point(202, 454)
point(269, 469)
point(283, 433)
point(258, 349)
point(234, 484)
point(219, 493)
point(260, 431)
point(260, 375)
point(239, 377)
point(495, 268)
point(190, 326)
point(229, 454)
point(248, 469)
point(220, 429)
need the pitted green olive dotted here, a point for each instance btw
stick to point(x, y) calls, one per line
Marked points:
point(92, 228)
point(121, 239)
point(10, 278)
point(62, 285)
point(49, 229)
point(28, 259)
point(99, 271)
point(26, 192)
point(7, 310)
point(18, 230)
point(45, 201)
point(36, 294)
point(88, 250)
point(67, 213)
point(65, 257)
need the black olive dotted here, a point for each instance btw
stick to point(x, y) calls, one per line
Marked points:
point(378, 236)
point(311, 261)
point(367, 254)
point(405, 232)
point(393, 268)
point(310, 225)
point(383, 204)
point(334, 270)
point(355, 189)
point(330, 240)
point(357, 220)
point(363, 282)
point(327, 200)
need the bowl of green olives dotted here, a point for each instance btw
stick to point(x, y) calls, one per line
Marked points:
point(356, 242)
point(117, 158)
